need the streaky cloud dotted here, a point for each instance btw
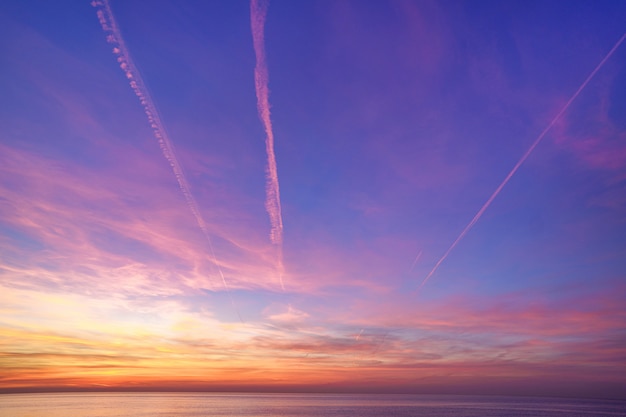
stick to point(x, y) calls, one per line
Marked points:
point(114, 37)
point(522, 160)
point(258, 12)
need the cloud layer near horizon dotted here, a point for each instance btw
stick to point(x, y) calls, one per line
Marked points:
point(402, 119)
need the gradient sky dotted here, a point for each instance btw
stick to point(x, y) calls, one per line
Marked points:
point(392, 123)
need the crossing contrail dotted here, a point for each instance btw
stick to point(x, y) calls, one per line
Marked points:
point(258, 12)
point(523, 159)
point(114, 37)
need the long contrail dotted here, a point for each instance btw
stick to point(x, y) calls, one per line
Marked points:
point(523, 159)
point(258, 12)
point(114, 37)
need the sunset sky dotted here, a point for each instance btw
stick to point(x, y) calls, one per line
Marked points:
point(196, 195)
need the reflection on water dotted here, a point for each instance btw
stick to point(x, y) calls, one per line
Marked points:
point(296, 405)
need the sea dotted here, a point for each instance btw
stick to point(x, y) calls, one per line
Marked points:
point(297, 405)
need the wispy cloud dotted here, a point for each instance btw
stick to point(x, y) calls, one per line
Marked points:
point(114, 37)
point(258, 12)
point(106, 279)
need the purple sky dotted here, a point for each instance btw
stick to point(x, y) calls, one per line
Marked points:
point(303, 176)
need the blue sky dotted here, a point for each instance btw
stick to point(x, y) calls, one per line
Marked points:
point(291, 233)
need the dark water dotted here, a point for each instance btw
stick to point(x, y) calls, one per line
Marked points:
point(296, 405)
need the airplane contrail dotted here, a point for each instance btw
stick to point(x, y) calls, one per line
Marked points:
point(523, 159)
point(417, 258)
point(358, 336)
point(258, 12)
point(114, 37)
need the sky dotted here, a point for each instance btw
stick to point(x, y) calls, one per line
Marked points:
point(329, 196)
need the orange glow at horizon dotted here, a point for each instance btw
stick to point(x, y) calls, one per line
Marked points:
point(145, 242)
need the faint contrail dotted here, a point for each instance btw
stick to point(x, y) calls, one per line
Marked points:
point(358, 336)
point(114, 37)
point(417, 258)
point(523, 159)
point(258, 11)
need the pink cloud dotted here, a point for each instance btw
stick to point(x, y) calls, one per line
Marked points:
point(67, 208)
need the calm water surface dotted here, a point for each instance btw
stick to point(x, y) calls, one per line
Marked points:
point(296, 405)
